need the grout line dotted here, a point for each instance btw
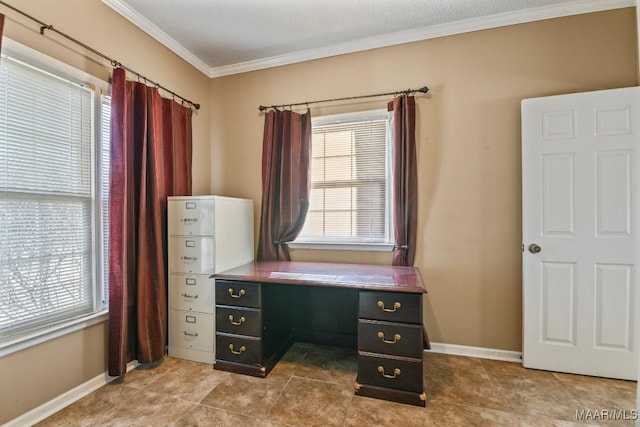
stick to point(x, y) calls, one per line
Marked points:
point(279, 395)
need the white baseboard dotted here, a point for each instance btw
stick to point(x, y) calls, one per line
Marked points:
point(65, 399)
point(481, 352)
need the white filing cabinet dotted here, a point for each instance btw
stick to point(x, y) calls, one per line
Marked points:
point(207, 234)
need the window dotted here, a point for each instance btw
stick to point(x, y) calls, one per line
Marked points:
point(350, 176)
point(53, 227)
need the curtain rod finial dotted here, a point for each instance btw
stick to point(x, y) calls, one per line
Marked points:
point(423, 89)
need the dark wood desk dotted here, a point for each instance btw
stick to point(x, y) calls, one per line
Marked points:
point(263, 307)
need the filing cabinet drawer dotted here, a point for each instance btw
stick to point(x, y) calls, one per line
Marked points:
point(391, 306)
point(191, 217)
point(239, 349)
point(390, 372)
point(238, 293)
point(191, 292)
point(239, 321)
point(191, 330)
point(191, 254)
point(398, 339)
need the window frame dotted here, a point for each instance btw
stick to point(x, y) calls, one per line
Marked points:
point(355, 243)
point(43, 333)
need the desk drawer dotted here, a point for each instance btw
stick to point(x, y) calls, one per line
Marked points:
point(395, 373)
point(239, 321)
point(238, 293)
point(391, 306)
point(239, 349)
point(191, 330)
point(398, 339)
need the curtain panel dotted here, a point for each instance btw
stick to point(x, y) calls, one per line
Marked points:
point(1, 29)
point(151, 147)
point(405, 179)
point(286, 181)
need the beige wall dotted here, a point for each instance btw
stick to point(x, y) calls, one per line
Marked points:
point(468, 141)
point(32, 377)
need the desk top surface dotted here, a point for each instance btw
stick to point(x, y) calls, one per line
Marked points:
point(356, 276)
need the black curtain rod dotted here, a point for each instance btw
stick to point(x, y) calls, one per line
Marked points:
point(44, 26)
point(402, 92)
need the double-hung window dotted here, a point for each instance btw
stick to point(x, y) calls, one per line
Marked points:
point(53, 200)
point(350, 183)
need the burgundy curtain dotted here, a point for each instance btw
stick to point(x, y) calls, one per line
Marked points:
point(1, 28)
point(286, 181)
point(405, 179)
point(150, 160)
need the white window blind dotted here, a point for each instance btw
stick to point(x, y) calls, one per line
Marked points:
point(349, 183)
point(46, 198)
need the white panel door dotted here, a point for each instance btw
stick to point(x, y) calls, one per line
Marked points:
point(581, 210)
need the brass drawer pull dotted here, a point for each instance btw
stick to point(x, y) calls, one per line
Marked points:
point(238, 295)
point(396, 372)
point(242, 349)
point(190, 334)
point(239, 322)
point(396, 305)
point(396, 338)
point(189, 296)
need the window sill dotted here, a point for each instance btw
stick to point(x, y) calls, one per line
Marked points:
point(342, 246)
point(14, 344)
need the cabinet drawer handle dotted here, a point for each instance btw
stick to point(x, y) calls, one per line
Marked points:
point(189, 258)
point(396, 338)
point(242, 349)
point(396, 372)
point(396, 305)
point(239, 322)
point(190, 334)
point(187, 220)
point(238, 295)
point(189, 296)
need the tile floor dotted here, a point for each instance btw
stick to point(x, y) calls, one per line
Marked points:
point(313, 386)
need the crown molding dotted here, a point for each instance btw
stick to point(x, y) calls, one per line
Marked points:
point(154, 31)
point(475, 24)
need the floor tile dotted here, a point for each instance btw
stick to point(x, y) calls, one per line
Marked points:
point(206, 416)
point(120, 405)
point(329, 364)
point(191, 382)
point(365, 411)
point(306, 402)
point(246, 395)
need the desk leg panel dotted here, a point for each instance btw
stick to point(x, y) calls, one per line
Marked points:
point(400, 396)
point(240, 368)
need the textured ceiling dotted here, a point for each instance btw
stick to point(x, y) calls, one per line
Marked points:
point(251, 34)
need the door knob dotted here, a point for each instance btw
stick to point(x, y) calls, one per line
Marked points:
point(534, 249)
